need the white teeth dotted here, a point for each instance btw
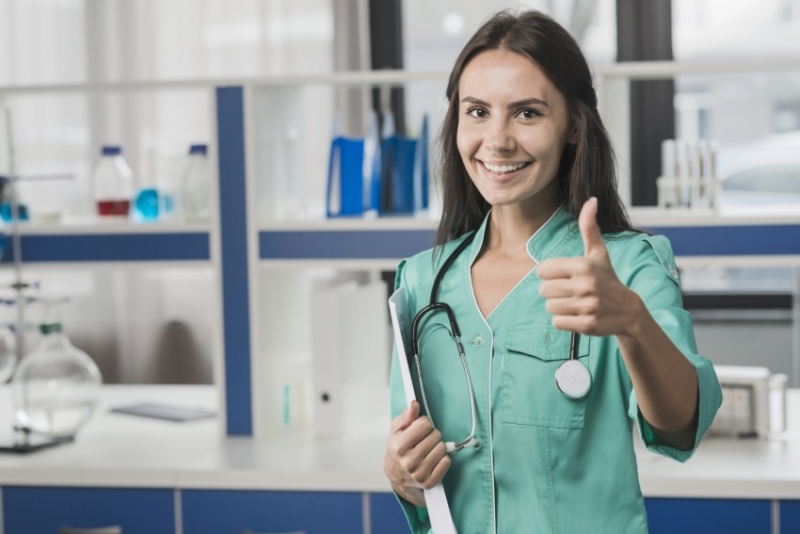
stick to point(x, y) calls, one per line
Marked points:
point(501, 169)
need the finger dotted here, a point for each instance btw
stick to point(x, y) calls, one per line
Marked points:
point(429, 461)
point(439, 462)
point(426, 444)
point(438, 472)
point(414, 456)
point(593, 244)
point(406, 417)
point(555, 268)
point(582, 324)
point(573, 306)
point(416, 432)
point(557, 288)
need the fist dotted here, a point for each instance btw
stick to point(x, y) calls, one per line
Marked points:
point(584, 294)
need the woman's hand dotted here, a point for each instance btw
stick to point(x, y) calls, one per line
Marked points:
point(584, 294)
point(416, 457)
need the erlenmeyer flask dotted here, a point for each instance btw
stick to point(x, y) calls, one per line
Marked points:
point(56, 386)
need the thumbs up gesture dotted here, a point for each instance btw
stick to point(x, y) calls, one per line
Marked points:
point(584, 294)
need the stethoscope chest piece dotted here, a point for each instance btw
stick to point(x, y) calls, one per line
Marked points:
point(573, 379)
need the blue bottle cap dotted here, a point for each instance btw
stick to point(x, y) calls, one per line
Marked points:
point(111, 150)
point(198, 149)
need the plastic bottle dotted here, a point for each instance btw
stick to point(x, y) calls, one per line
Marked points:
point(196, 185)
point(113, 183)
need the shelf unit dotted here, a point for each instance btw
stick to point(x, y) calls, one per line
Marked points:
point(240, 246)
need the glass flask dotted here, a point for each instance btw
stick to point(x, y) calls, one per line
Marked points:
point(8, 354)
point(56, 386)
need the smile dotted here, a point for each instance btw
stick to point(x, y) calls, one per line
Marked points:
point(504, 169)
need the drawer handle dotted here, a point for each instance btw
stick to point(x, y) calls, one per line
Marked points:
point(104, 530)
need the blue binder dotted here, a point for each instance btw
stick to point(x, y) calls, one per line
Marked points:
point(345, 182)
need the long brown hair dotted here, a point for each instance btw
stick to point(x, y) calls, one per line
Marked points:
point(587, 167)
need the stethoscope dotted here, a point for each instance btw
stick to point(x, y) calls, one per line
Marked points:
point(572, 377)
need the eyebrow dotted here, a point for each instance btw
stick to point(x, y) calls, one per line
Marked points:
point(518, 103)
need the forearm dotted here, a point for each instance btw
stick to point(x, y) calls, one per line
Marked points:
point(664, 380)
point(413, 495)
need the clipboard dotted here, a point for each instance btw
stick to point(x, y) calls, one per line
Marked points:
point(435, 498)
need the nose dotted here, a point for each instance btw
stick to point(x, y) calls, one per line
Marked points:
point(499, 138)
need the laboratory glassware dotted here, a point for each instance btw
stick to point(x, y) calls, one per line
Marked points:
point(196, 185)
point(146, 206)
point(56, 386)
point(113, 183)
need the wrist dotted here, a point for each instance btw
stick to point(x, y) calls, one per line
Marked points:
point(637, 315)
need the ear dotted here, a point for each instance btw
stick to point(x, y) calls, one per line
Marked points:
point(572, 138)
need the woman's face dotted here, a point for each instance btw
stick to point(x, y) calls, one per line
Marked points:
point(512, 127)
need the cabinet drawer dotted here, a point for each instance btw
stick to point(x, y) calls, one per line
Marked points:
point(232, 511)
point(701, 516)
point(790, 516)
point(42, 510)
point(386, 516)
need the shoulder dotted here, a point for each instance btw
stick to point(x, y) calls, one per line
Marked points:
point(421, 268)
point(630, 252)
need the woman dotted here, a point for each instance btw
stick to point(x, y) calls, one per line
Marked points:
point(528, 177)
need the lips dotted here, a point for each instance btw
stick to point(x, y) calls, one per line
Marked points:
point(503, 172)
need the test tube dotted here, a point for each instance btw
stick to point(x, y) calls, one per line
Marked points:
point(684, 173)
point(695, 173)
point(669, 174)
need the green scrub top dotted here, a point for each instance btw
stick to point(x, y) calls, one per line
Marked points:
point(547, 464)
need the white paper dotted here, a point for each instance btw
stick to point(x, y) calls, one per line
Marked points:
point(435, 498)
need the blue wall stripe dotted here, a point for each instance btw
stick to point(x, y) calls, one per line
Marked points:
point(391, 244)
point(111, 247)
point(733, 240)
point(233, 236)
point(345, 244)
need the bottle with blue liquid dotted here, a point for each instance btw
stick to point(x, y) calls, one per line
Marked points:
point(7, 193)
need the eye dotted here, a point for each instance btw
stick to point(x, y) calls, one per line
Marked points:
point(528, 113)
point(478, 113)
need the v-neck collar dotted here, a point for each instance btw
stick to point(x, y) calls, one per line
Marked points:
point(544, 243)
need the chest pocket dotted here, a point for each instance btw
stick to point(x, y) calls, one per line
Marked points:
point(529, 394)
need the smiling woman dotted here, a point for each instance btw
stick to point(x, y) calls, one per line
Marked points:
point(536, 258)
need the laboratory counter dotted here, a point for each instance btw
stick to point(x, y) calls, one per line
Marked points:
point(127, 452)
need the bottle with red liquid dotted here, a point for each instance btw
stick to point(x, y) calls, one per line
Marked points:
point(113, 183)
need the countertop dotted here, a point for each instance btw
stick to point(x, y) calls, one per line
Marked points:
point(115, 450)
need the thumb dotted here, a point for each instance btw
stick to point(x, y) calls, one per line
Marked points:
point(593, 243)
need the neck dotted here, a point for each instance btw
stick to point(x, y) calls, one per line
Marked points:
point(510, 227)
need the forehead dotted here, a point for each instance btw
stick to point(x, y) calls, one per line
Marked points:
point(503, 75)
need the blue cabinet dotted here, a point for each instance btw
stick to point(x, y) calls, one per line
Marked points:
point(30, 510)
point(790, 516)
point(701, 516)
point(386, 516)
point(232, 511)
